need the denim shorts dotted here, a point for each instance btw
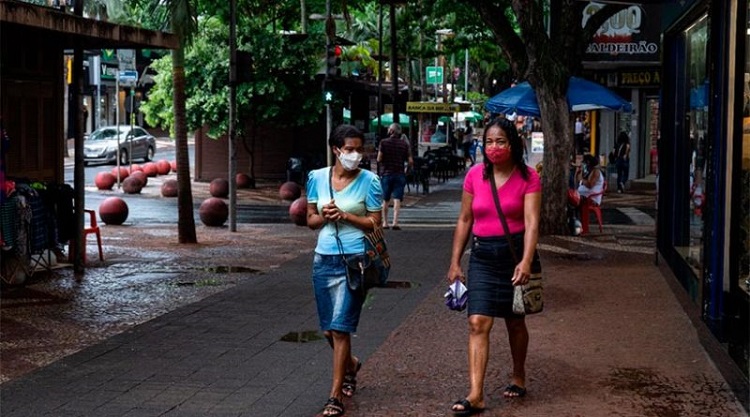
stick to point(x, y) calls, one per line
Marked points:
point(393, 184)
point(338, 307)
point(491, 268)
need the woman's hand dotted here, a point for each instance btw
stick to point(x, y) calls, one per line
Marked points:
point(332, 213)
point(522, 273)
point(454, 273)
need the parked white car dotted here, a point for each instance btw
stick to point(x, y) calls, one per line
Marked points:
point(134, 143)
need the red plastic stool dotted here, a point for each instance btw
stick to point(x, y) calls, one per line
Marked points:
point(92, 228)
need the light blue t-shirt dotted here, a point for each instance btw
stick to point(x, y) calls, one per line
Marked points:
point(363, 194)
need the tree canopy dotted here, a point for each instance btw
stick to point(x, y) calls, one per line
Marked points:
point(540, 42)
point(278, 90)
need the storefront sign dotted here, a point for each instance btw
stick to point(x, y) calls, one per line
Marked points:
point(633, 34)
point(429, 107)
point(636, 78)
point(537, 142)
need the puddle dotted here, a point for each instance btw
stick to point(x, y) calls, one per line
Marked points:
point(302, 337)
point(399, 284)
point(227, 269)
point(126, 269)
point(200, 283)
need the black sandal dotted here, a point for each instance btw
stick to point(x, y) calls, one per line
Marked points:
point(466, 410)
point(349, 387)
point(514, 391)
point(333, 408)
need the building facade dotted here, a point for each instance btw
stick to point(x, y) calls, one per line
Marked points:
point(624, 55)
point(704, 164)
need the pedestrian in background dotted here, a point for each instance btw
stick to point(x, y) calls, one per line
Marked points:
point(492, 270)
point(467, 144)
point(590, 182)
point(393, 153)
point(343, 218)
point(578, 136)
point(623, 161)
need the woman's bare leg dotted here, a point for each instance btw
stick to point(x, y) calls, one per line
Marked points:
point(342, 348)
point(479, 350)
point(518, 336)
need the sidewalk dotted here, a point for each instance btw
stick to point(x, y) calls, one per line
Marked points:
point(613, 340)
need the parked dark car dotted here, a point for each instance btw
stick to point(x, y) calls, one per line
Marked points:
point(135, 143)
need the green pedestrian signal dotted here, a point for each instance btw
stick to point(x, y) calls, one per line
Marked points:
point(328, 97)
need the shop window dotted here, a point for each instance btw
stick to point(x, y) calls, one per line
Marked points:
point(690, 244)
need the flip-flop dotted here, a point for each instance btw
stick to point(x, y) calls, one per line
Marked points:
point(514, 391)
point(468, 409)
point(349, 386)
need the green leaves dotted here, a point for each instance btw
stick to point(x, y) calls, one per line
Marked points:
point(281, 90)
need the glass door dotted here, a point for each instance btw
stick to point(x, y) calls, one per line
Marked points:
point(689, 242)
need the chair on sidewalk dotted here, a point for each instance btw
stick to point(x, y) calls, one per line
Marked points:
point(93, 227)
point(589, 206)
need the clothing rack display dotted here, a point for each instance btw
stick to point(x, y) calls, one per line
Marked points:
point(36, 220)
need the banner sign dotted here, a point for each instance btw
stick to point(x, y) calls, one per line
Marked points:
point(639, 78)
point(430, 107)
point(631, 35)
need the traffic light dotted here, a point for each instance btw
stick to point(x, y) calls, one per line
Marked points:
point(333, 60)
point(328, 96)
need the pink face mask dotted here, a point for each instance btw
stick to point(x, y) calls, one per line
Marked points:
point(498, 155)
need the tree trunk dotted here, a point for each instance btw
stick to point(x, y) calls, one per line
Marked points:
point(556, 166)
point(185, 218)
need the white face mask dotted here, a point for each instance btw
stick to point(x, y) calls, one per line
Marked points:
point(350, 161)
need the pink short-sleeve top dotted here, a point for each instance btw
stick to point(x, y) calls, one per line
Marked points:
point(512, 194)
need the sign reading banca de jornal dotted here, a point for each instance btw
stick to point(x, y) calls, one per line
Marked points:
point(633, 34)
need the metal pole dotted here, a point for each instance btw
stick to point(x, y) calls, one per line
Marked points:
point(329, 127)
point(98, 79)
point(466, 75)
point(232, 116)
point(117, 124)
point(380, 68)
point(437, 52)
point(394, 65)
point(131, 135)
point(78, 245)
point(329, 115)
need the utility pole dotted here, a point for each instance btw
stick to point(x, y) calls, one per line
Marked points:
point(232, 116)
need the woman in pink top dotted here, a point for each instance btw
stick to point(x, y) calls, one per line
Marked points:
point(492, 269)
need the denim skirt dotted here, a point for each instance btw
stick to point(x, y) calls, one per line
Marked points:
point(338, 307)
point(491, 268)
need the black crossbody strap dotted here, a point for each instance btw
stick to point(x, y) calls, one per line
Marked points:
point(501, 215)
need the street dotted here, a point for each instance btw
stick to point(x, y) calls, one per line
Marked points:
point(151, 207)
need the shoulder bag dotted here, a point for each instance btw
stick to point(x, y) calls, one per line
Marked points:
point(370, 268)
point(527, 298)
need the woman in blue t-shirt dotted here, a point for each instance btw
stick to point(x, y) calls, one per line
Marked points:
point(345, 216)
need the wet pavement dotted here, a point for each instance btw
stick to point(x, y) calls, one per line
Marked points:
point(228, 327)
